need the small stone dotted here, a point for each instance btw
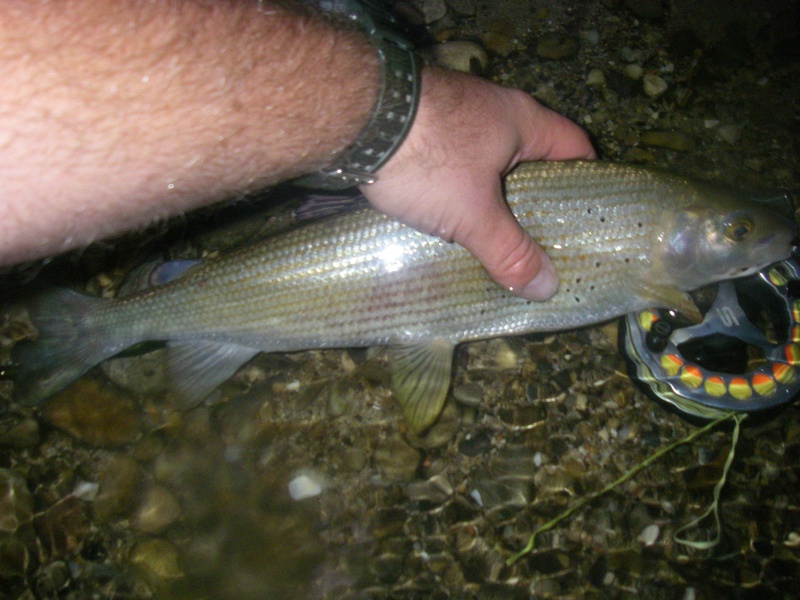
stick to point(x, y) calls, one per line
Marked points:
point(432, 10)
point(93, 414)
point(16, 502)
point(19, 431)
point(304, 486)
point(396, 460)
point(595, 77)
point(630, 55)
point(729, 134)
point(462, 7)
point(591, 37)
point(555, 46)
point(672, 140)
point(466, 57)
point(634, 72)
point(157, 559)
point(649, 535)
point(157, 510)
point(119, 482)
point(654, 86)
point(498, 43)
point(436, 490)
point(469, 394)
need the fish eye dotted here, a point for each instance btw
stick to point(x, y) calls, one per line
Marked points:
point(738, 227)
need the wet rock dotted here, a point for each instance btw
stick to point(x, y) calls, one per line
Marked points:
point(468, 394)
point(672, 140)
point(62, 528)
point(595, 78)
point(157, 510)
point(16, 501)
point(462, 7)
point(94, 414)
point(556, 46)
point(119, 483)
point(654, 86)
point(305, 486)
point(634, 72)
point(435, 490)
point(396, 459)
point(498, 42)
point(431, 10)
point(466, 57)
point(157, 560)
point(729, 134)
point(19, 431)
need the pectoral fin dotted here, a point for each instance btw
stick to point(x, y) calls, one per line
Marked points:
point(667, 296)
point(196, 368)
point(420, 379)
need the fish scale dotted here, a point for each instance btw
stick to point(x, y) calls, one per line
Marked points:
point(622, 238)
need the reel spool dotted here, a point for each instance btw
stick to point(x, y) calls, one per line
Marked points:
point(743, 357)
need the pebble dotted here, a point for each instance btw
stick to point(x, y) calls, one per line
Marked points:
point(654, 86)
point(436, 490)
point(93, 414)
point(119, 481)
point(591, 37)
point(157, 559)
point(634, 72)
point(469, 394)
point(467, 57)
point(498, 42)
point(19, 431)
point(672, 140)
point(396, 459)
point(729, 134)
point(629, 55)
point(304, 486)
point(432, 10)
point(16, 502)
point(556, 46)
point(157, 510)
point(595, 77)
point(462, 7)
point(649, 535)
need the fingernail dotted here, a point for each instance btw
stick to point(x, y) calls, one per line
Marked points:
point(544, 285)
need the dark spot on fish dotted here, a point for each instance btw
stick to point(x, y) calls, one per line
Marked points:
point(627, 260)
point(591, 288)
point(577, 299)
point(597, 265)
point(639, 224)
point(602, 219)
point(577, 280)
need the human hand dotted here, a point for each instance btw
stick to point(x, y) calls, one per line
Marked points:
point(445, 179)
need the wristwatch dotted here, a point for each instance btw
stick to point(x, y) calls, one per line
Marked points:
point(395, 107)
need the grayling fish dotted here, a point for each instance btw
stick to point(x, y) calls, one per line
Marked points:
point(622, 238)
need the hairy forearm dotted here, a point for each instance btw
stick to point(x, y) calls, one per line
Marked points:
point(140, 110)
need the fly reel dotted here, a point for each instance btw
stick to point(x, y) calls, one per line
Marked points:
point(743, 357)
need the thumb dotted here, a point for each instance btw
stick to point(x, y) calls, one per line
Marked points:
point(507, 252)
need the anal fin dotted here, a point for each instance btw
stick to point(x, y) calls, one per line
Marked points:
point(196, 368)
point(420, 379)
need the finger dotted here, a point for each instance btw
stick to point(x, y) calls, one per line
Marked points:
point(508, 253)
point(550, 136)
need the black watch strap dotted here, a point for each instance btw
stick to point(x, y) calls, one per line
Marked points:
point(394, 109)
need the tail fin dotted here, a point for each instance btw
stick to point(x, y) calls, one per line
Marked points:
point(64, 349)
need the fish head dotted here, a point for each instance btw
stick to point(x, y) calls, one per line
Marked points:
point(724, 237)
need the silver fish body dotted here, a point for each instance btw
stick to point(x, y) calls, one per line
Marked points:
point(622, 238)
